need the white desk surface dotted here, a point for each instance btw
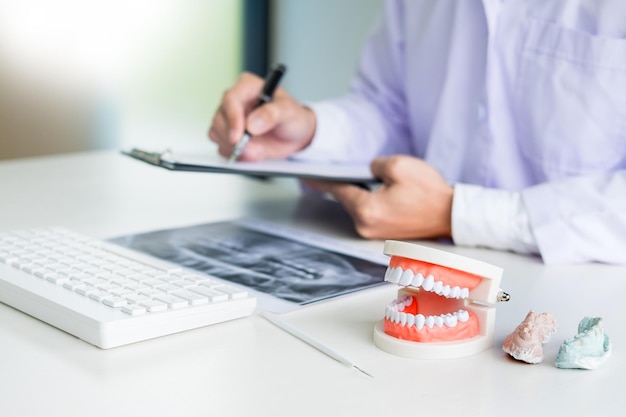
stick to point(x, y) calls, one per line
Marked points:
point(248, 367)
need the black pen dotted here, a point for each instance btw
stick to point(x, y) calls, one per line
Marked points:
point(271, 82)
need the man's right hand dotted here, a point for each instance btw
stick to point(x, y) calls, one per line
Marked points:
point(278, 129)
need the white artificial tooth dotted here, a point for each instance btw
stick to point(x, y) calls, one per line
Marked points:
point(408, 301)
point(428, 283)
point(464, 293)
point(388, 312)
point(445, 290)
point(388, 273)
point(410, 320)
point(396, 316)
point(419, 321)
point(437, 287)
point(406, 277)
point(429, 322)
point(455, 292)
point(463, 316)
point(450, 320)
point(439, 321)
point(417, 280)
point(403, 319)
point(395, 275)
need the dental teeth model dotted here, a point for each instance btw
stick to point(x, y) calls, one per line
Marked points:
point(445, 306)
point(525, 342)
point(588, 349)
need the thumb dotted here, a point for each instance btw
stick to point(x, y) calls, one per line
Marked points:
point(265, 118)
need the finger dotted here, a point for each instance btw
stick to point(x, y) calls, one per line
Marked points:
point(391, 169)
point(237, 102)
point(378, 168)
point(218, 132)
point(350, 196)
point(265, 118)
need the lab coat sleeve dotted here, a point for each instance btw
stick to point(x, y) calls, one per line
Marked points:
point(371, 120)
point(580, 219)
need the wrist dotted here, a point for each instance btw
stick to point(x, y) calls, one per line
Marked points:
point(446, 212)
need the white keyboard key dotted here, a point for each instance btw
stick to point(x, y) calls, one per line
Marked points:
point(185, 283)
point(212, 294)
point(99, 295)
point(135, 298)
point(121, 280)
point(169, 288)
point(154, 283)
point(58, 279)
point(30, 268)
point(232, 292)
point(197, 278)
point(150, 292)
point(79, 275)
point(42, 272)
point(193, 298)
point(134, 310)
point(172, 301)
point(113, 301)
point(137, 287)
point(72, 284)
point(172, 278)
point(107, 286)
point(106, 275)
point(12, 261)
point(84, 290)
point(93, 281)
point(155, 273)
point(121, 291)
point(153, 305)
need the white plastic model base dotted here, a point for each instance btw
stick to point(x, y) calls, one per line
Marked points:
point(445, 306)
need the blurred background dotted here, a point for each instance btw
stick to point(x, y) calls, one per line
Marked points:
point(81, 75)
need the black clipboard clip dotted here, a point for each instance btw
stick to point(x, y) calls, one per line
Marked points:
point(154, 158)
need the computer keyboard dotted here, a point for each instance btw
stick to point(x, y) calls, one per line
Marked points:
point(107, 295)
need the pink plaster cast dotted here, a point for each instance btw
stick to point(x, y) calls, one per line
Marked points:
point(525, 343)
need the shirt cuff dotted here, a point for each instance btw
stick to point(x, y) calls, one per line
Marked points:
point(491, 218)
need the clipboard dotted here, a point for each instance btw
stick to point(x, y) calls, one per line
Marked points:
point(359, 174)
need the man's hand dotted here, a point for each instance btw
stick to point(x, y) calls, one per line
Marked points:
point(413, 202)
point(279, 128)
